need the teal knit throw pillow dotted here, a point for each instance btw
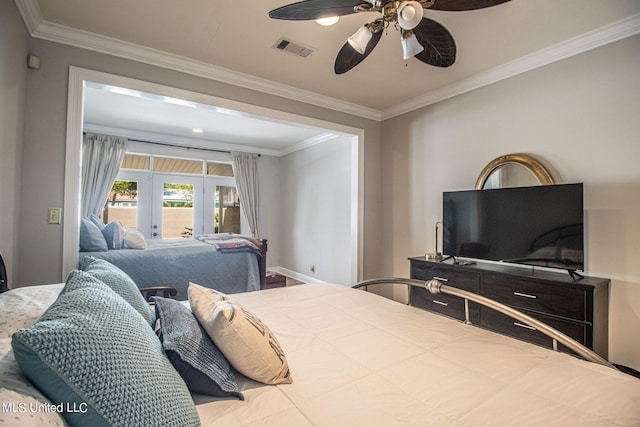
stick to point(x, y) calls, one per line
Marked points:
point(120, 283)
point(92, 353)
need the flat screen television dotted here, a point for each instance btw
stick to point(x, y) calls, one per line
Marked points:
point(539, 225)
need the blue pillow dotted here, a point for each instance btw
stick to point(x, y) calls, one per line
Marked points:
point(97, 221)
point(91, 238)
point(114, 235)
point(202, 366)
point(120, 283)
point(92, 353)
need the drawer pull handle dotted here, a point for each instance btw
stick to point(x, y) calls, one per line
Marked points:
point(522, 325)
point(520, 294)
point(442, 279)
point(440, 302)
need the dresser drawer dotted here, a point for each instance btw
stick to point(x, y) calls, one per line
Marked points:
point(448, 305)
point(467, 280)
point(557, 300)
point(502, 323)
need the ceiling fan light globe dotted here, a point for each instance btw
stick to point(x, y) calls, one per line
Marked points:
point(410, 14)
point(328, 21)
point(411, 46)
point(360, 39)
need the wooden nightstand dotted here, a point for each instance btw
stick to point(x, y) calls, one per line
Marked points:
point(275, 280)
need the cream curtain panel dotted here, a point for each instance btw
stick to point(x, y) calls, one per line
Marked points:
point(101, 159)
point(245, 170)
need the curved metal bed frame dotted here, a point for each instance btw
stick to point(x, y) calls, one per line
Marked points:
point(436, 287)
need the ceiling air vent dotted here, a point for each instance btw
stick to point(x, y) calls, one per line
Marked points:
point(293, 48)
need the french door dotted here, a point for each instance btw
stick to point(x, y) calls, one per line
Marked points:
point(184, 206)
point(222, 207)
point(177, 206)
point(164, 206)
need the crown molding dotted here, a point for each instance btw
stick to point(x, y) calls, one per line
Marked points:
point(38, 28)
point(599, 37)
point(184, 142)
point(31, 15)
point(91, 41)
point(309, 142)
point(205, 144)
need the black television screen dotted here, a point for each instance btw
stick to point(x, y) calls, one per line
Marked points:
point(539, 225)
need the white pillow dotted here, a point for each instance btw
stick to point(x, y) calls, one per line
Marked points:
point(134, 240)
point(246, 342)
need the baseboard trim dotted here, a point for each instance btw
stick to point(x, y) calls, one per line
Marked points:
point(295, 275)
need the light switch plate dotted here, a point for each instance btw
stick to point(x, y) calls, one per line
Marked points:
point(53, 215)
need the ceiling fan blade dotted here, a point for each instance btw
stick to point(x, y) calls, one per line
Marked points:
point(460, 5)
point(439, 46)
point(313, 9)
point(348, 58)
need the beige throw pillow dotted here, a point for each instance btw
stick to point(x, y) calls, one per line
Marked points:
point(205, 295)
point(245, 340)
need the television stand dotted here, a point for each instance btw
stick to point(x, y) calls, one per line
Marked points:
point(575, 275)
point(455, 261)
point(577, 308)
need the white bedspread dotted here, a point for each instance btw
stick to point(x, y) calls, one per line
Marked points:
point(361, 360)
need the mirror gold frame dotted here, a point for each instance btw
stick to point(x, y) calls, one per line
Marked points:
point(535, 167)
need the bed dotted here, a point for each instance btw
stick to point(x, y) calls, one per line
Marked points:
point(356, 358)
point(176, 262)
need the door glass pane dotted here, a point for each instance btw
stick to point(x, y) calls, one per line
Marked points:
point(227, 210)
point(122, 204)
point(177, 210)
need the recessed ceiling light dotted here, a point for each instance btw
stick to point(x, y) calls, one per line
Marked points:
point(326, 22)
point(197, 130)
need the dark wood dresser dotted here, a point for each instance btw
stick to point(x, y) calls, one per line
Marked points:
point(579, 309)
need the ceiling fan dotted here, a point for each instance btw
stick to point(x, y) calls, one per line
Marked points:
point(421, 37)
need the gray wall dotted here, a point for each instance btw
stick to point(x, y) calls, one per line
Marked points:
point(579, 117)
point(44, 147)
point(315, 211)
point(14, 48)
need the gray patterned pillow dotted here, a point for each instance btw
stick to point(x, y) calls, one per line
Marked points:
point(202, 366)
point(95, 355)
point(120, 283)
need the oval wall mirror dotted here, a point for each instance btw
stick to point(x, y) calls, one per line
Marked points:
point(513, 170)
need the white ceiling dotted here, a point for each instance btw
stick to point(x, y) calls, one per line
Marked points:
point(233, 41)
point(148, 117)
